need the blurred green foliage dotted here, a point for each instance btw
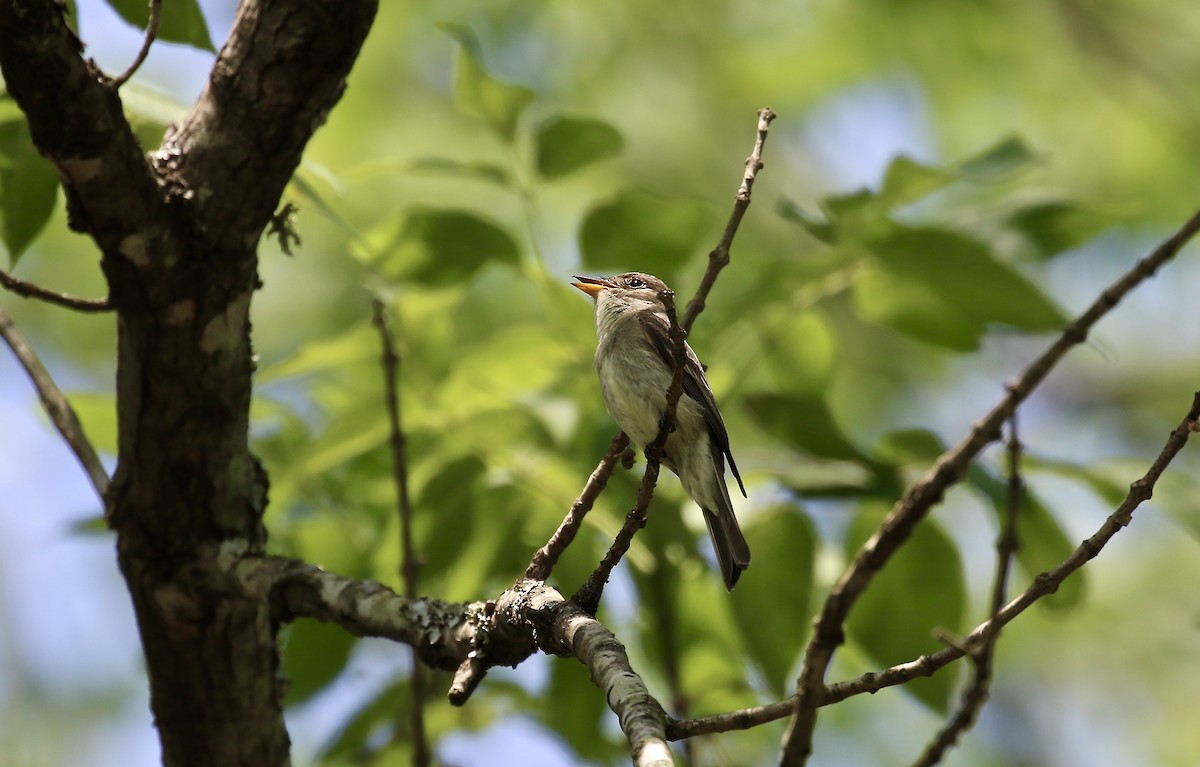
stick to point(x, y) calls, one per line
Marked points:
point(469, 171)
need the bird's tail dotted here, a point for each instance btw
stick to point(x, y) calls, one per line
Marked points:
point(733, 553)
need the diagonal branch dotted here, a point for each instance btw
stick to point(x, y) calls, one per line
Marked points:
point(926, 665)
point(718, 258)
point(922, 495)
point(547, 556)
point(62, 415)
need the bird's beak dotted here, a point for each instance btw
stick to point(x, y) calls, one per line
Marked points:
point(592, 285)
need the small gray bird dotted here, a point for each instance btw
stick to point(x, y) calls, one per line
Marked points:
point(635, 360)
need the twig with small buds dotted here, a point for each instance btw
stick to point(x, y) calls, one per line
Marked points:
point(718, 258)
point(920, 497)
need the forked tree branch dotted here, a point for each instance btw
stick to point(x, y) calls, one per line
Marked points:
point(927, 665)
point(922, 495)
point(976, 693)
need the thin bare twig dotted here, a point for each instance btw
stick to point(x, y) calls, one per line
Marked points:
point(926, 665)
point(976, 693)
point(147, 41)
point(588, 596)
point(547, 556)
point(57, 407)
point(544, 560)
point(30, 290)
point(718, 258)
point(923, 494)
point(409, 566)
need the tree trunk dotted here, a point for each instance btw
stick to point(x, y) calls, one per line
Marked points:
point(179, 230)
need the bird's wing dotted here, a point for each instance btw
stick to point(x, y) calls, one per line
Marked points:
point(695, 385)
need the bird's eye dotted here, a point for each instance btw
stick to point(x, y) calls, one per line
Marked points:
point(634, 282)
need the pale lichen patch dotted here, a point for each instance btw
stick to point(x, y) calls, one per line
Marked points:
point(225, 330)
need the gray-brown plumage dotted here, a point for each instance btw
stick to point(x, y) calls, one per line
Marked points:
point(635, 361)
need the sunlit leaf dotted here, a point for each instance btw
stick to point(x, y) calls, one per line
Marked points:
point(566, 144)
point(1006, 156)
point(800, 350)
point(179, 21)
point(907, 181)
point(945, 288)
point(314, 653)
point(28, 188)
point(482, 171)
point(920, 589)
point(772, 599)
point(477, 93)
point(642, 231)
point(97, 413)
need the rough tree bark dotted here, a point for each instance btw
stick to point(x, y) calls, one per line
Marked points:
point(178, 230)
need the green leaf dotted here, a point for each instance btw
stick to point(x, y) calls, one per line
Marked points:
point(479, 94)
point(1043, 544)
point(920, 588)
point(814, 225)
point(773, 603)
point(1051, 228)
point(481, 171)
point(28, 188)
point(179, 21)
point(907, 181)
point(945, 288)
point(314, 654)
point(572, 709)
point(799, 349)
point(445, 518)
point(357, 345)
point(642, 231)
point(565, 144)
point(803, 423)
point(909, 446)
point(436, 247)
point(1006, 156)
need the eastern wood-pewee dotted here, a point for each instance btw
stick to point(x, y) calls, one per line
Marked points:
point(635, 359)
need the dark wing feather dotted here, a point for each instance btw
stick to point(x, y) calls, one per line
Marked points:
point(695, 385)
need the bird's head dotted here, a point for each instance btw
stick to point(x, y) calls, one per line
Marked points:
point(631, 291)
